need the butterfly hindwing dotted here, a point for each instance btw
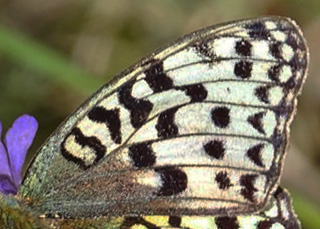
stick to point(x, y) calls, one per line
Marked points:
point(197, 128)
point(277, 214)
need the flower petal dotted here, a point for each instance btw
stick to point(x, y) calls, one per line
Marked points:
point(6, 185)
point(18, 140)
point(5, 173)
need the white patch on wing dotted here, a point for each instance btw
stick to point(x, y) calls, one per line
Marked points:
point(249, 222)
point(141, 89)
point(224, 47)
point(260, 50)
point(260, 71)
point(112, 102)
point(238, 92)
point(269, 122)
point(285, 73)
point(202, 72)
point(178, 151)
point(287, 52)
point(99, 130)
point(196, 118)
point(198, 222)
point(275, 95)
point(210, 204)
point(279, 36)
point(242, 33)
point(270, 25)
point(145, 133)
point(203, 184)
point(86, 154)
point(273, 211)
point(184, 57)
point(150, 178)
point(277, 226)
point(284, 209)
point(167, 99)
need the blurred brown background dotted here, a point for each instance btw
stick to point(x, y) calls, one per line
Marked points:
point(99, 38)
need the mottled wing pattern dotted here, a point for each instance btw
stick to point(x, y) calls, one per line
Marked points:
point(197, 128)
point(278, 214)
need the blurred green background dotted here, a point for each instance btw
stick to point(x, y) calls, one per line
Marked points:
point(54, 54)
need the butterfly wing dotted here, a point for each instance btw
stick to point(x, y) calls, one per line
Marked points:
point(277, 214)
point(197, 128)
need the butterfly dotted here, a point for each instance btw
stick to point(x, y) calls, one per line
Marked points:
point(192, 136)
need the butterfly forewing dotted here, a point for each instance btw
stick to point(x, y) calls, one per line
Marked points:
point(198, 128)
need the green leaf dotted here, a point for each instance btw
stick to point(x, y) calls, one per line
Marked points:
point(26, 52)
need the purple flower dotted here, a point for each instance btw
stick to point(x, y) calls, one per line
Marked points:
point(13, 151)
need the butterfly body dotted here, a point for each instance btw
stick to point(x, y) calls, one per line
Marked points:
point(196, 132)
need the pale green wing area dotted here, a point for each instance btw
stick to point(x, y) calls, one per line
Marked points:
point(197, 128)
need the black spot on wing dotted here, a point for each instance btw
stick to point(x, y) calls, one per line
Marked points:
point(274, 72)
point(290, 84)
point(91, 142)
point(156, 78)
point(254, 153)
point(174, 181)
point(285, 214)
point(243, 48)
point(215, 149)
point(292, 41)
point(275, 50)
point(266, 224)
point(220, 116)
point(165, 126)
point(278, 192)
point(196, 92)
point(223, 180)
point(243, 69)
point(175, 221)
point(262, 93)
point(282, 109)
point(203, 50)
point(131, 222)
point(111, 118)
point(139, 108)
point(298, 61)
point(55, 215)
point(226, 222)
point(256, 121)
point(142, 155)
point(258, 30)
point(277, 139)
point(248, 190)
